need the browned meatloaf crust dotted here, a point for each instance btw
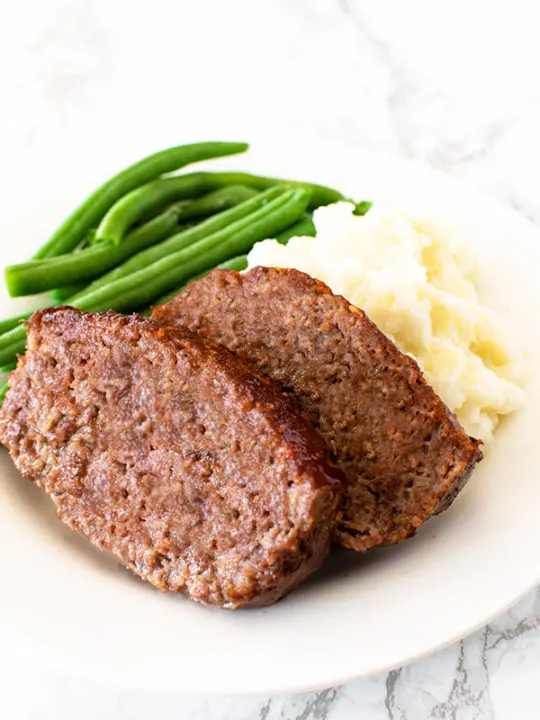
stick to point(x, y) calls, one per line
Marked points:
point(162, 448)
point(404, 454)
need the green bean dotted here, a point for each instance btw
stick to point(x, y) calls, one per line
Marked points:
point(4, 387)
point(61, 294)
point(362, 207)
point(3, 392)
point(320, 195)
point(183, 239)
point(12, 344)
point(90, 212)
point(13, 322)
point(39, 275)
point(303, 228)
point(215, 202)
point(240, 262)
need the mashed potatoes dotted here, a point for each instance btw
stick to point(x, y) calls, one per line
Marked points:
point(417, 285)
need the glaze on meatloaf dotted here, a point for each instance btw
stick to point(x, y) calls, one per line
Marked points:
point(165, 450)
point(404, 454)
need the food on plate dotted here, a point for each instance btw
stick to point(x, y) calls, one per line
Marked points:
point(218, 448)
point(415, 280)
point(404, 455)
point(164, 449)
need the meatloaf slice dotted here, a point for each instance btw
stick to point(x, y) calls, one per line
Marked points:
point(404, 454)
point(164, 449)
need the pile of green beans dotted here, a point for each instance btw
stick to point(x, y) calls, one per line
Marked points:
point(92, 210)
point(140, 237)
point(37, 276)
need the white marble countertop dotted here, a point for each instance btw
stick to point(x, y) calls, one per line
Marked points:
point(453, 84)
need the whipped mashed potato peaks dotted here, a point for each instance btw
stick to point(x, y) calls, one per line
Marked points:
point(417, 283)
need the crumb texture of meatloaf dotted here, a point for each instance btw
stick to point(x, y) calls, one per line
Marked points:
point(165, 450)
point(404, 454)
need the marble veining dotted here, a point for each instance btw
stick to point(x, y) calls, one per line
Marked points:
point(451, 84)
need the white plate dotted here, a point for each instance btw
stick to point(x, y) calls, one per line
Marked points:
point(65, 604)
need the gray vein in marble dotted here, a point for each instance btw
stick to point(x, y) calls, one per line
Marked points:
point(462, 694)
point(524, 626)
point(390, 698)
point(521, 628)
point(265, 709)
point(318, 707)
point(528, 209)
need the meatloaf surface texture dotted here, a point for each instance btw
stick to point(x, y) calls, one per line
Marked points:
point(165, 450)
point(404, 454)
